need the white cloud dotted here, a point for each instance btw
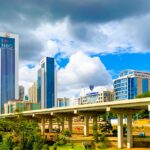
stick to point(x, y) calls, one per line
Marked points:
point(27, 76)
point(81, 71)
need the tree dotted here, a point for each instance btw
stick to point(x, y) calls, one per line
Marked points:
point(143, 95)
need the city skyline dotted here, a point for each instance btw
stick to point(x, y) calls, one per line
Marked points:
point(114, 39)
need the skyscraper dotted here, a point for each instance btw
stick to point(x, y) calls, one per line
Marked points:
point(46, 83)
point(131, 83)
point(21, 92)
point(9, 49)
point(32, 92)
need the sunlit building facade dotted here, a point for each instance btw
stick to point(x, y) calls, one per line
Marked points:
point(96, 96)
point(131, 83)
point(9, 49)
point(32, 92)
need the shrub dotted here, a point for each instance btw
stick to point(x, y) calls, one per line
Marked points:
point(67, 133)
point(114, 132)
point(45, 147)
point(102, 137)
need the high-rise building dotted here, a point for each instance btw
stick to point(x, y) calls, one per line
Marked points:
point(131, 83)
point(9, 49)
point(21, 92)
point(33, 93)
point(46, 83)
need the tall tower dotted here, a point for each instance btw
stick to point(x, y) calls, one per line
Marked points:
point(46, 83)
point(9, 49)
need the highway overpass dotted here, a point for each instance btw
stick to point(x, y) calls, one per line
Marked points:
point(123, 107)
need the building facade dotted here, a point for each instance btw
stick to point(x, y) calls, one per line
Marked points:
point(19, 105)
point(32, 92)
point(9, 49)
point(131, 83)
point(21, 92)
point(63, 102)
point(46, 83)
point(96, 96)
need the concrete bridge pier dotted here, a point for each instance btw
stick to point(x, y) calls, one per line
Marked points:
point(120, 130)
point(42, 125)
point(86, 125)
point(94, 122)
point(50, 124)
point(62, 124)
point(70, 124)
point(129, 131)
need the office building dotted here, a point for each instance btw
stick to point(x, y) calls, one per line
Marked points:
point(97, 95)
point(46, 83)
point(21, 92)
point(9, 49)
point(19, 105)
point(32, 92)
point(63, 102)
point(131, 83)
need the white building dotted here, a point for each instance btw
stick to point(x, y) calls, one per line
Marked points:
point(97, 95)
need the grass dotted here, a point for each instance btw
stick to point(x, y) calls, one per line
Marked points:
point(77, 146)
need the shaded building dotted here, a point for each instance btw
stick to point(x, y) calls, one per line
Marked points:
point(9, 49)
point(131, 83)
point(21, 92)
point(46, 83)
point(63, 102)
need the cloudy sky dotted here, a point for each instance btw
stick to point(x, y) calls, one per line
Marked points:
point(91, 40)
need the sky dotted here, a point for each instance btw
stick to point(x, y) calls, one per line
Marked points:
point(91, 40)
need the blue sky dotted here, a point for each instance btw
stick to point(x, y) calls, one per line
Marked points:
point(118, 62)
point(115, 31)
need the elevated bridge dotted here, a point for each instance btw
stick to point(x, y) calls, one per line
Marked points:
point(122, 107)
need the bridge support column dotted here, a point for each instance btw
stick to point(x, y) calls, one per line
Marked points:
point(120, 130)
point(62, 125)
point(43, 126)
point(86, 125)
point(70, 124)
point(129, 131)
point(50, 124)
point(94, 123)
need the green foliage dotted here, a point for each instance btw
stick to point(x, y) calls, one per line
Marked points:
point(55, 146)
point(145, 94)
point(8, 141)
point(38, 142)
point(67, 133)
point(95, 133)
point(61, 141)
point(20, 134)
point(45, 147)
point(102, 137)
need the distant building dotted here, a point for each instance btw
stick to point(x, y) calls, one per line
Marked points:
point(131, 83)
point(96, 96)
point(32, 92)
point(46, 83)
point(26, 98)
point(9, 49)
point(63, 102)
point(19, 105)
point(21, 92)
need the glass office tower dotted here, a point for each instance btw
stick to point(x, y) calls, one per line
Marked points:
point(46, 83)
point(131, 83)
point(9, 47)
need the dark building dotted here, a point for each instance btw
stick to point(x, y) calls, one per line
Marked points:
point(46, 83)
